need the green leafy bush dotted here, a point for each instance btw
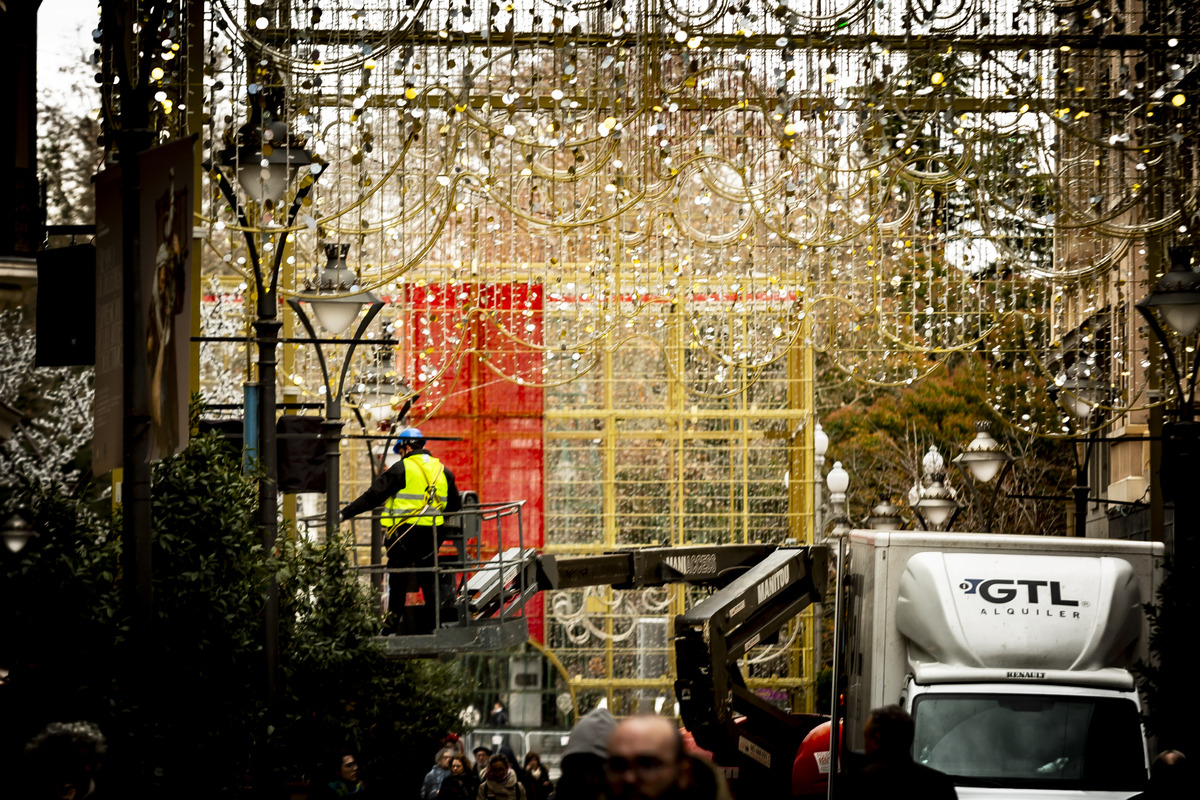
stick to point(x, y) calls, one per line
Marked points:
point(187, 712)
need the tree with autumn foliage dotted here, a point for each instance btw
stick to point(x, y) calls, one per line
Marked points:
point(880, 434)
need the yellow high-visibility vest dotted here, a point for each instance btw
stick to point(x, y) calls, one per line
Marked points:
point(425, 490)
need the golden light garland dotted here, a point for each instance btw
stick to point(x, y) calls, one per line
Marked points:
point(905, 179)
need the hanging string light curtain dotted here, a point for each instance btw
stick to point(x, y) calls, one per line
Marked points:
point(893, 182)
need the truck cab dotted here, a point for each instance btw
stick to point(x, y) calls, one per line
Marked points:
point(1011, 653)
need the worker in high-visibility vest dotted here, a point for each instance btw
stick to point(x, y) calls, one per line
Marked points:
point(415, 491)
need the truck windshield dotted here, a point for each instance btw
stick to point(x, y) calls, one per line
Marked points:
point(1031, 741)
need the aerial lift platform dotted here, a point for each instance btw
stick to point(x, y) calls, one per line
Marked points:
point(759, 588)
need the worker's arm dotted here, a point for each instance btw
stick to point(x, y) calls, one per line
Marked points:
point(387, 484)
point(453, 498)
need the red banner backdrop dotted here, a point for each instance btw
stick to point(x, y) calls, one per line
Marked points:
point(479, 398)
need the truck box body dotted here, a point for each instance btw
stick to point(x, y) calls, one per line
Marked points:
point(1012, 653)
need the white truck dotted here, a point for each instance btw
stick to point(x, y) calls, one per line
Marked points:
point(1011, 653)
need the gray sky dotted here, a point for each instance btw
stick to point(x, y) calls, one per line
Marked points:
point(64, 33)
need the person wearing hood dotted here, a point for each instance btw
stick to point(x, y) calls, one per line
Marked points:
point(514, 763)
point(500, 782)
point(583, 776)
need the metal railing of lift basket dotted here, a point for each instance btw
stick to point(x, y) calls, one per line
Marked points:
point(491, 582)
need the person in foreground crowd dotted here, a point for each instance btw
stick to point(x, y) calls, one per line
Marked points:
point(647, 761)
point(462, 783)
point(582, 775)
point(1170, 777)
point(537, 777)
point(482, 757)
point(340, 780)
point(501, 782)
point(888, 767)
point(438, 773)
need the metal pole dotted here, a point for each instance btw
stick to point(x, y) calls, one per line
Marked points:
point(135, 490)
point(818, 608)
point(1180, 452)
point(135, 135)
point(266, 329)
point(835, 706)
point(376, 525)
point(1080, 492)
point(377, 560)
point(331, 432)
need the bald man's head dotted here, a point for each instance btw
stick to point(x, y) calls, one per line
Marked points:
point(1169, 774)
point(645, 758)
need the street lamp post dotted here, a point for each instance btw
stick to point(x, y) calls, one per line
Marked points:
point(1076, 391)
point(984, 459)
point(335, 301)
point(1176, 297)
point(820, 448)
point(838, 481)
point(265, 141)
point(932, 500)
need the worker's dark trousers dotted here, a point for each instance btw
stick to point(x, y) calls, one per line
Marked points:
point(414, 549)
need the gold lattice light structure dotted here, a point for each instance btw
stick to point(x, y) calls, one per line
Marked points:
point(693, 198)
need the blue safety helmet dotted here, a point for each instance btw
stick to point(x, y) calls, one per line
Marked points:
point(408, 436)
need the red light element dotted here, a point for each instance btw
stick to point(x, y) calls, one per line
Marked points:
point(501, 455)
